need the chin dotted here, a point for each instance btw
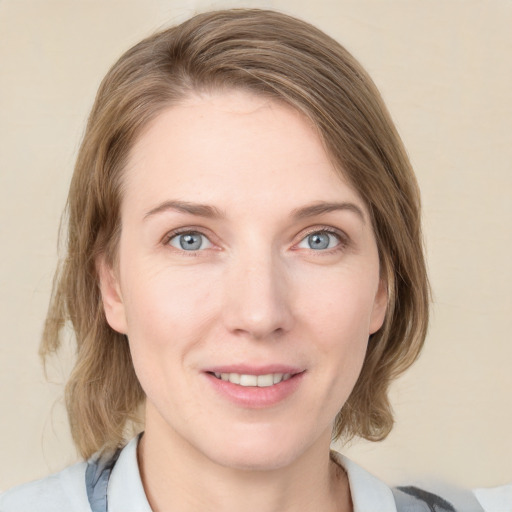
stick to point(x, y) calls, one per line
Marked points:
point(254, 460)
point(259, 451)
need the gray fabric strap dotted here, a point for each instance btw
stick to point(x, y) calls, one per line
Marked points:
point(414, 499)
point(97, 474)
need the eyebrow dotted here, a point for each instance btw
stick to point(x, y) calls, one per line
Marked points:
point(327, 207)
point(212, 212)
point(200, 210)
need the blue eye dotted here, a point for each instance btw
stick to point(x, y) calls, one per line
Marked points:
point(319, 241)
point(190, 241)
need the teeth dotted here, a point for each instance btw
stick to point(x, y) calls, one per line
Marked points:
point(248, 380)
point(234, 378)
point(261, 381)
point(277, 377)
point(265, 380)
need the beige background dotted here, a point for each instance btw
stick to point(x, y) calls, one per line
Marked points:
point(445, 70)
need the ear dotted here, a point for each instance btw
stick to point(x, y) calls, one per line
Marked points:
point(379, 307)
point(111, 296)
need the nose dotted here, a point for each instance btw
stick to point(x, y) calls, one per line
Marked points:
point(258, 297)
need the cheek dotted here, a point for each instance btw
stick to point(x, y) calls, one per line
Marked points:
point(169, 312)
point(166, 319)
point(165, 301)
point(337, 316)
point(339, 305)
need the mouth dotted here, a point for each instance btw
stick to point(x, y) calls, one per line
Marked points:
point(255, 387)
point(249, 380)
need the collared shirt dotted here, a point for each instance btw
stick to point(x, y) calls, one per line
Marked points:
point(66, 491)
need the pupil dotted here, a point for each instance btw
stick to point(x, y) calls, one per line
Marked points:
point(319, 241)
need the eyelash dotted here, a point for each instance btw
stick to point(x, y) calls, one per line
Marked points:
point(343, 240)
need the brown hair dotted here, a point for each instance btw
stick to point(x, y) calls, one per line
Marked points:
point(283, 58)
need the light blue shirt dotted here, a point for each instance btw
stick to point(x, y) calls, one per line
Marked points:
point(67, 491)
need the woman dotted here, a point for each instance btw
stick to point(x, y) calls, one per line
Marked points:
point(245, 277)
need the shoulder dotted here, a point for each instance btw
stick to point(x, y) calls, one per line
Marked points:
point(62, 492)
point(370, 493)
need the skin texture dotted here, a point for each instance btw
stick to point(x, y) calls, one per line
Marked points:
point(254, 294)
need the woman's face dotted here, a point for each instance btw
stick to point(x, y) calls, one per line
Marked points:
point(247, 280)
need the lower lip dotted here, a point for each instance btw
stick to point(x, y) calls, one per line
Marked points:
point(253, 397)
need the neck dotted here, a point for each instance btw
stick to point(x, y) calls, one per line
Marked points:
point(177, 477)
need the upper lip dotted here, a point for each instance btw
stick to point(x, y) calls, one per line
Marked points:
point(247, 369)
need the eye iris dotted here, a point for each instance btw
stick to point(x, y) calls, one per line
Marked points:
point(318, 241)
point(190, 241)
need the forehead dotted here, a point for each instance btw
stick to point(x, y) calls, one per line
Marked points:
point(235, 147)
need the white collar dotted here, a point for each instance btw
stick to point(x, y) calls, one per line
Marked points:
point(125, 490)
point(368, 492)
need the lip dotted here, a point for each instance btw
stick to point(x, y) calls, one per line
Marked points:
point(252, 397)
point(255, 370)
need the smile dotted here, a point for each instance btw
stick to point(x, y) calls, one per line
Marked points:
point(254, 387)
point(247, 380)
